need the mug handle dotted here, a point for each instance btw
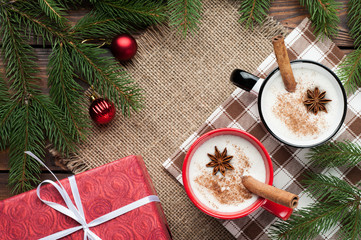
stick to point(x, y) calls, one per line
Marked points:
point(278, 210)
point(246, 81)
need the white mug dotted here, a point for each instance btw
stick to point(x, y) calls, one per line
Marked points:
point(265, 88)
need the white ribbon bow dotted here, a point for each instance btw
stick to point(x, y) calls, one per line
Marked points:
point(77, 213)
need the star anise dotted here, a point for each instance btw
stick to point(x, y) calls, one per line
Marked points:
point(316, 101)
point(219, 161)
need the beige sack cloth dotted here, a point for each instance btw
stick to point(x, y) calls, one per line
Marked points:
point(184, 81)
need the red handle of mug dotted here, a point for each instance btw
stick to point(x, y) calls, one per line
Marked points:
point(278, 210)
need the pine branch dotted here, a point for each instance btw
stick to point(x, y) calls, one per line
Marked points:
point(26, 114)
point(354, 20)
point(54, 124)
point(65, 92)
point(30, 16)
point(5, 106)
point(110, 18)
point(18, 56)
point(340, 203)
point(350, 71)
point(350, 68)
point(308, 222)
point(335, 154)
point(26, 135)
point(352, 224)
point(185, 15)
point(323, 16)
point(100, 26)
point(107, 77)
point(53, 11)
point(143, 13)
point(331, 189)
point(253, 11)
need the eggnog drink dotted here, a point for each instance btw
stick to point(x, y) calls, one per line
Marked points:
point(286, 115)
point(226, 193)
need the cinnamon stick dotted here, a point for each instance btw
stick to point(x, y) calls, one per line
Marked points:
point(284, 63)
point(269, 192)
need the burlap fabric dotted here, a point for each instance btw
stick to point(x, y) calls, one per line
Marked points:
point(184, 80)
point(290, 164)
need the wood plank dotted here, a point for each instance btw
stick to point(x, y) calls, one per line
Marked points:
point(290, 13)
point(5, 190)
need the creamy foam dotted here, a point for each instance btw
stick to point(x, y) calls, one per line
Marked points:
point(247, 160)
point(287, 116)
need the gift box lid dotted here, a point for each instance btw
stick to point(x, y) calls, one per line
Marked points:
point(102, 190)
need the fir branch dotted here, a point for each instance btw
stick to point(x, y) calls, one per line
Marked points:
point(53, 11)
point(26, 135)
point(335, 154)
point(350, 68)
point(185, 15)
point(107, 77)
point(29, 14)
point(110, 18)
point(350, 71)
point(5, 106)
point(308, 222)
point(253, 11)
point(323, 16)
point(354, 20)
point(55, 125)
point(18, 56)
point(99, 26)
point(143, 13)
point(66, 92)
point(331, 189)
point(351, 227)
point(339, 201)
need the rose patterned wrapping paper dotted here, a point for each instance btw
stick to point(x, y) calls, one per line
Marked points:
point(102, 190)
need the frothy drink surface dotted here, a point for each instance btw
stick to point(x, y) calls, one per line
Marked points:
point(226, 194)
point(287, 116)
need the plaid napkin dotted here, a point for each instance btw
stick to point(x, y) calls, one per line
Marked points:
point(240, 111)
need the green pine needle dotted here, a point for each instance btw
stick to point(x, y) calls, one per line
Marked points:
point(53, 123)
point(253, 11)
point(97, 25)
point(335, 154)
point(354, 20)
point(66, 92)
point(55, 12)
point(26, 135)
point(340, 204)
point(135, 12)
point(350, 71)
point(323, 16)
point(110, 18)
point(18, 56)
point(185, 15)
point(350, 68)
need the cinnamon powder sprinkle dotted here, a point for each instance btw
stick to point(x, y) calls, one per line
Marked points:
point(289, 108)
point(228, 190)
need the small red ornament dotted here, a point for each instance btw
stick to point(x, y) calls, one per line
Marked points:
point(124, 47)
point(102, 111)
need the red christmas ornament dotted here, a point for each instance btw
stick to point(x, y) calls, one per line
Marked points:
point(102, 111)
point(124, 47)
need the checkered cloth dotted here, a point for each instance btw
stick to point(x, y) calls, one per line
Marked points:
point(240, 111)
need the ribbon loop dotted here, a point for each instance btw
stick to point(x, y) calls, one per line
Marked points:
point(77, 212)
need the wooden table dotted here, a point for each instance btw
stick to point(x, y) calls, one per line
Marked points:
point(288, 12)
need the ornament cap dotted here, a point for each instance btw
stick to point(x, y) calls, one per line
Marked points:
point(92, 98)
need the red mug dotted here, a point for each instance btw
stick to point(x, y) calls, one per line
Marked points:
point(274, 208)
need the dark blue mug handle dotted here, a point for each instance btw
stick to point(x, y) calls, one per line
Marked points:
point(244, 80)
